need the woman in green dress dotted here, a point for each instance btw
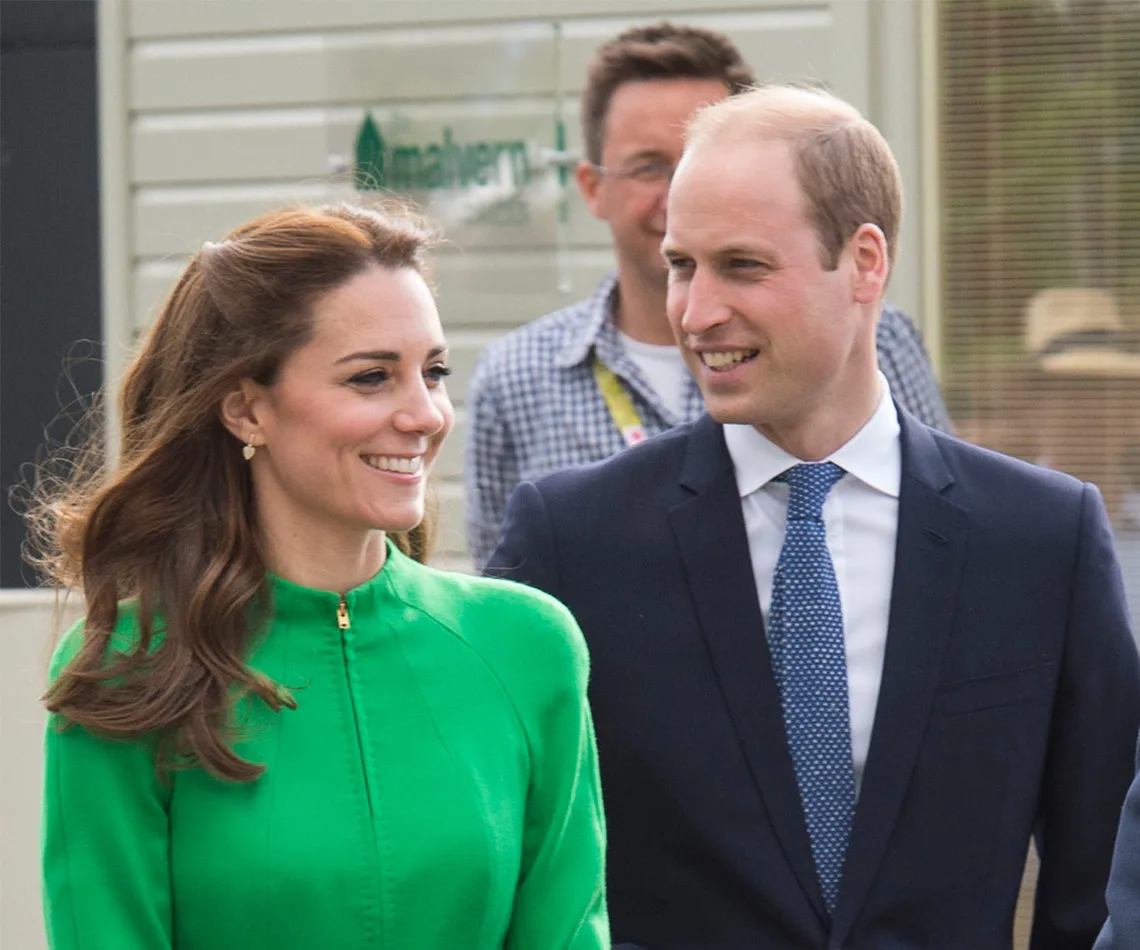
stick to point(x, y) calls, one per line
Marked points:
point(276, 726)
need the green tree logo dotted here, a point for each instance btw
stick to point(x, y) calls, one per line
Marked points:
point(370, 172)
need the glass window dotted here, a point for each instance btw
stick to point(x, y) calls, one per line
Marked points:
point(1040, 147)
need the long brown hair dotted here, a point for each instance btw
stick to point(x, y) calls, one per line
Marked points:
point(170, 526)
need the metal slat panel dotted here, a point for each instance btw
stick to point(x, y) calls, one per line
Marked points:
point(506, 288)
point(152, 19)
point(781, 44)
point(218, 148)
point(256, 145)
point(422, 64)
point(310, 69)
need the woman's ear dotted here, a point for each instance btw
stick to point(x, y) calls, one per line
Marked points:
point(242, 410)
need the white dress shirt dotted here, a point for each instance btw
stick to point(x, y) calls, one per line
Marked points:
point(861, 517)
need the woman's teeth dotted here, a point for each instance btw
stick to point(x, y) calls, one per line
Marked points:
point(394, 463)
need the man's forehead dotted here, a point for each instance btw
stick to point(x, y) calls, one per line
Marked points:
point(658, 107)
point(716, 228)
point(731, 149)
point(751, 172)
point(716, 225)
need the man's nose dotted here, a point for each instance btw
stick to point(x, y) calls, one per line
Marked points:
point(704, 306)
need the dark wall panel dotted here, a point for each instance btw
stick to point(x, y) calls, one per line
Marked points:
point(49, 236)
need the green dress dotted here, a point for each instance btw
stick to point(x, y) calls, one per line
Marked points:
point(435, 789)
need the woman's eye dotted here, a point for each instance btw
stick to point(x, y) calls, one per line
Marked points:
point(438, 373)
point(371, 377)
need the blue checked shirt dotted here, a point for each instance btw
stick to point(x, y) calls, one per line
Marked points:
point(534, 406)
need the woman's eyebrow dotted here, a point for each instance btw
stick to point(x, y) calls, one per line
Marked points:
point(372, 356)
point(390, 356)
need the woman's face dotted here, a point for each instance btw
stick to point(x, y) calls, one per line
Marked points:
point(348, 431)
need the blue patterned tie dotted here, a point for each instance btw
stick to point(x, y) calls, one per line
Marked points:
point(805, 634)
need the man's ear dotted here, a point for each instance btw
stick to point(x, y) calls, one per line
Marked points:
point(868, 246)
point(242, 411)
point(589, 180)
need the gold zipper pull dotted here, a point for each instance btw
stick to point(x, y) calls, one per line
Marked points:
point(342, 620)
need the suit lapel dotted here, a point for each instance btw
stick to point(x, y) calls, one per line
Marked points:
point(929, 556)
point(713, 545)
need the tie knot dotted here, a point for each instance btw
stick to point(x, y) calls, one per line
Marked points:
point(808, 485)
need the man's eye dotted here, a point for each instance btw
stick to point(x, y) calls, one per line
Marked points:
point(651, 172)
point(744, 263)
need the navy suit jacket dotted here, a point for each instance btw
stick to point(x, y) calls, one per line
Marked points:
point(1122, 929)
point(1009, 704)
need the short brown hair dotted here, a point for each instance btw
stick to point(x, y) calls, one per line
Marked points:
point(844, 166)
point(661, 51)
point(170, 525)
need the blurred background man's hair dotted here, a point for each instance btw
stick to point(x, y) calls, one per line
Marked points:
point(661, 51)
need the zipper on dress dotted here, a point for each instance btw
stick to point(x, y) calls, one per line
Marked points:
point(374, 930)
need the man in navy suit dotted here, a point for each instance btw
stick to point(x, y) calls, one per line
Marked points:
point(844, 666)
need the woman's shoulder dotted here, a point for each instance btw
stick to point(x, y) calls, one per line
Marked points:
point(453, 592)
point(509, 624)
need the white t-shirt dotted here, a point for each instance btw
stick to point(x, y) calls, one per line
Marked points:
point(664, 367)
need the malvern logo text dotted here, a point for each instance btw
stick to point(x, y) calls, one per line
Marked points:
point(446, 164)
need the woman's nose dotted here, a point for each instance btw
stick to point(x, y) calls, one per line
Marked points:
point(421, 411)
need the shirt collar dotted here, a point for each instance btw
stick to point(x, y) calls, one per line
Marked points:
point(873, 455)
point(599, 310)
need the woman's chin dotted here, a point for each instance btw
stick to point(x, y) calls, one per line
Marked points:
point(398, 522)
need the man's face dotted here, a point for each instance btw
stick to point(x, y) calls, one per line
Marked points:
point(773, 339)
point(642, 143)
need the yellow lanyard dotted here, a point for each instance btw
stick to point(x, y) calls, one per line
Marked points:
point(619, 403)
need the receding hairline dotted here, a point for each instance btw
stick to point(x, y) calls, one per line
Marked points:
point(843, 164)
point(774, 112)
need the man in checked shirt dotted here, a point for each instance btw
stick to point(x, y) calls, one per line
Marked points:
point(579, 384)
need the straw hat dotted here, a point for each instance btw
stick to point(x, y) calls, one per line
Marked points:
point(1078, 331)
